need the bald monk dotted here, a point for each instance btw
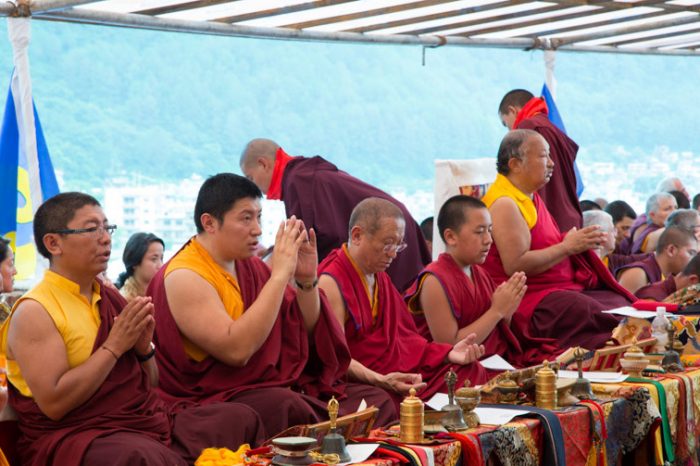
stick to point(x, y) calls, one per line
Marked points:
point(568, 285)
point(660, 290)
point(231, 329)
point(386, 348)
point(80, 360)
point(315, 191)
point(674, 250)
point(454, 296)
point(519, 109)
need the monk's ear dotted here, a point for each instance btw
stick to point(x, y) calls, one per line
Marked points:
point(450, 237)
point(52, 243)
point(513, 163)
point(693, 279)
point(265, 163)
point(209, 223)
point(355, 235)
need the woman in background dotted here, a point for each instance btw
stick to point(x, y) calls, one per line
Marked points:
point(143, 256)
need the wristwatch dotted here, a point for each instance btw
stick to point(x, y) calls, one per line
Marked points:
point(307, 286)
point(147, 356)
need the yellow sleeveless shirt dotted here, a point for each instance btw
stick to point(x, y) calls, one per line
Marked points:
point(76, 320)
point(197, 259)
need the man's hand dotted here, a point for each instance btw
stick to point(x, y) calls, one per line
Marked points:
point(290, 236)
point(143, 343)
point(307, 259)
point(577, 241)
point(131, 325)
point(400, 382)
point(466, 351)
point(506, 298)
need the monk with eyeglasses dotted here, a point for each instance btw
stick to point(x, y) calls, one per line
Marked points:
point(385, 345)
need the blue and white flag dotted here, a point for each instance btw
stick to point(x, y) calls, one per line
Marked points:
point(26, 174)
point(555, 118)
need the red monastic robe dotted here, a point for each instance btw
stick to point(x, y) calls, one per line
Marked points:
point(469, 299)
point(391, 342)
point(288, 358)
point(322, 196)
point(559, 194)
point(312, 366)
point(564, 302)
point(657, 291)
point(649, 264)
point(124, 403)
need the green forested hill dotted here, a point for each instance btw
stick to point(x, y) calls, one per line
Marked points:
point(167, 105)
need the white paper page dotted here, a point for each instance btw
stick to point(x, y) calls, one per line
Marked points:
point(360, 451)
point(629, 311)
point(596, 376)
point(497, 416)
point(438, 401)
point(496, 363)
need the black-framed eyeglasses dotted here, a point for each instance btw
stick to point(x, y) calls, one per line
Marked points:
point(95, 231)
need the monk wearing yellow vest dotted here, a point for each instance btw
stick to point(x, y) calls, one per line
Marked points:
point(80, 360)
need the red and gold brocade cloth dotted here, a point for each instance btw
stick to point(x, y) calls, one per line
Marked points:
point(682, 393)
point(627, 419)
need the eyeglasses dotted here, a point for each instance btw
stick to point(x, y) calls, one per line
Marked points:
point(94, 231)
point(397, 248)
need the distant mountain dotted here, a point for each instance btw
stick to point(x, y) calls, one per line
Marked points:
point(165, 105)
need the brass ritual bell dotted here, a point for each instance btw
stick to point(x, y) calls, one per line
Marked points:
point(333, 442)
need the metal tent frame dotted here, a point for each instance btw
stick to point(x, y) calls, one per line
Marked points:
point(668, 27)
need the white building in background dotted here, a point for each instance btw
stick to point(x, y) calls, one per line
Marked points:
point(164, 209)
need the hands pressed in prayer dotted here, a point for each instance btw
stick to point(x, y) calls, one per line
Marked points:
point(290, 237)
point(133, 326)
point(507, 296)
point(307, 259)
point(401, 382)
point(576, 241)
point(466, 351)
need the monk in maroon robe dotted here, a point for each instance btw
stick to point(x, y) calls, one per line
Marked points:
point(660, 290)
point(229, 329)
point(81, 366)
point(658, 207)
point(519, 109)
point(385, 345)
point(315, 191)
point(568, 285)
point(675, 248)
point(454, 296)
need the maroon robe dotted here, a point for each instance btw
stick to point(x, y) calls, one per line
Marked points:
point(124, 403)
point(634, 245)
point(282, 380)
point(565, 302)
point(322, 196)
point(392, 342)
point(616, 261)
point(469, 299)
point(657, 291)
point(559, 194)
point(650, 266)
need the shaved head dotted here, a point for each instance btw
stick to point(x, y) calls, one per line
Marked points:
point(257, 148)
point(516, 98)
point(369, 213)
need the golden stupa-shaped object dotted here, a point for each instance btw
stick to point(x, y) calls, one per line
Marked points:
point(411, 418)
